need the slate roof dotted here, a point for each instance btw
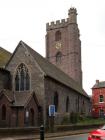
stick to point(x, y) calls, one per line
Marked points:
point(19, 99)
point(54, 72)
point(99, 85)
point(4, 57)
point(8, 94)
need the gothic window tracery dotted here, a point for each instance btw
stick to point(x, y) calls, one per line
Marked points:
point(22, 79)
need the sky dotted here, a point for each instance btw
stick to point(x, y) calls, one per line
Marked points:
point(26, 20)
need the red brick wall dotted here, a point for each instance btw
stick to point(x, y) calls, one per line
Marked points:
point(96, 105)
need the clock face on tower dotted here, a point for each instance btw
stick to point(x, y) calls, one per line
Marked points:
point(58, 45)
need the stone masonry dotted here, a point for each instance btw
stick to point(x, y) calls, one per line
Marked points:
point(70, 45)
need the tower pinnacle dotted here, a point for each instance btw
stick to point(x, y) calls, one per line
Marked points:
point(72, 14)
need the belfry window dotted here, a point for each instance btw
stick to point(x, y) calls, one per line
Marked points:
point(22, 79)
point(57, 36)
point(58, 57)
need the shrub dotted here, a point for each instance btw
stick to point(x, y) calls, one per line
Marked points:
point(81, 117)
point(74, 117)
point(65, 120)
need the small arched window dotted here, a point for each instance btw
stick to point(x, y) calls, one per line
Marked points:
point(58, 57)
point(57, 36)
point(22, 79)
point(56, 101)
point(67, 104)
point(3, 114)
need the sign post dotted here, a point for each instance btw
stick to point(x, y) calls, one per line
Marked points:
point(51, 117)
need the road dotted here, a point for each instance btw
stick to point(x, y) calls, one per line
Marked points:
point(73, 137)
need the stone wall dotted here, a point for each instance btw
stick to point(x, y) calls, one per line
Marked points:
point(76, 100)
point(21, 55)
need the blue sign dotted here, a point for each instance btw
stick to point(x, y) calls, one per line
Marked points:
point(51, 110)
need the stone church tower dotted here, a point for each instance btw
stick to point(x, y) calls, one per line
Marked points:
point(63, 46)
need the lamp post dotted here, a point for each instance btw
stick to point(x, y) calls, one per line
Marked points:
point(41, 132)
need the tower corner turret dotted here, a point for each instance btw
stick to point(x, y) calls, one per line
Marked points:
point(72, 15)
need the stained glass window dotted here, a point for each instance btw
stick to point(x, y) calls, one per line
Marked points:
point(22, 79)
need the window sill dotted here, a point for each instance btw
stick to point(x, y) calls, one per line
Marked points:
point(101, 102)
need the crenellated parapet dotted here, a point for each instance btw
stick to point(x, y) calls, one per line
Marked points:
point(72, 18)
point(57, 24)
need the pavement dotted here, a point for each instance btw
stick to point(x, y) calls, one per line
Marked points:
point(47, 135)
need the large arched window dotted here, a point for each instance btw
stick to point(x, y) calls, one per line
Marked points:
point(58, 57)
point(56, 101)
point(67, 104)
point(22, 79)
point(3, 112)
point(57, 36)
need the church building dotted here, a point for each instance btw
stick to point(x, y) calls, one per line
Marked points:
point(29, 83)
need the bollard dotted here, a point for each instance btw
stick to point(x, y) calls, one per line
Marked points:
point(41, 132)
